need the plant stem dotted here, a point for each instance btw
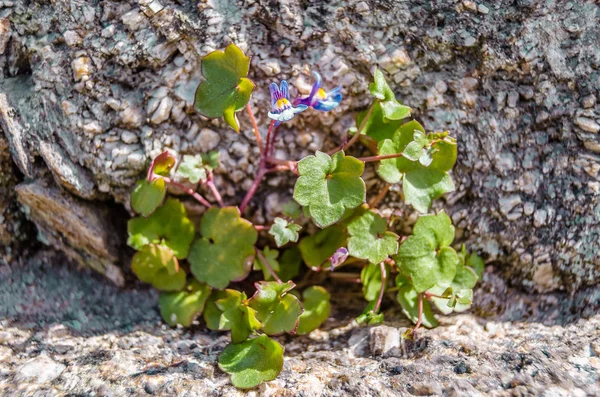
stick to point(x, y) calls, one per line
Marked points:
point(382, 290)
point(361, 127)
point(255, 128)
point(262, 170)
point(267, 265)
point(380, 196)
point(211, 185)
point(384, 157)
point(418, 324)
point(429, 295)
point(189, 191)
point(261, 227)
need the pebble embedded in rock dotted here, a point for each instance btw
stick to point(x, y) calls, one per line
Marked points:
point(82, 68)
point(587, 124)
point(162, 112)
point(41, 369)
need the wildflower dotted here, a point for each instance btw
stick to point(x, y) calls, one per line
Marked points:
point(319, 99)
point(281, 108)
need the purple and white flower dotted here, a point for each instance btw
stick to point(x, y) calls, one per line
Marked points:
point(281, 108)
point(319, 99)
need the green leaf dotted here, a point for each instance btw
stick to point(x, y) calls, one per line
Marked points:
point(391, 170)
point(168, 225)
point(289, 264)
point(271, 257)
point(462, 290)
point(236, 316)
point(329, 185)
point(377, 127)
point(183, 306)
point(422, 186)
point(316, 309)
point(226, 89)
point(192, 168)
point(408, 299)
point(370, 277)
point(252, 362)
point(157, 265)
point(225, 251)
point(316, 249)
point(284, 232)
point(291, 209)
point(278, 310)
point(426, 179)
point(162, 164)
point(475, 262)
point(391, 108)
point(369, 238)
point(212, 314)
point(426, 257)
point(148, 196)
point(369, 316)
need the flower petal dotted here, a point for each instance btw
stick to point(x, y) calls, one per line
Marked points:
point(316, 85)
point(274, 93)
point(299, 108)
point(283, 88)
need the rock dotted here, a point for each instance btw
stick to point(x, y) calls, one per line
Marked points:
point(80, 229)
point(587, 124)
point(383, 339)
point(207, 140)
point(530, 91)
point(39, 370)
point(4, 34)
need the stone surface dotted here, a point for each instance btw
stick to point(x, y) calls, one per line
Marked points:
point(82, 230)
point(72, 333)
point(505, 77)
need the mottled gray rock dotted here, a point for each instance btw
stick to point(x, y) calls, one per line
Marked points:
point(512, 80)
point(82, 230)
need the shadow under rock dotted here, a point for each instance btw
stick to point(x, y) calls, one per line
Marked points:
point(47, 288)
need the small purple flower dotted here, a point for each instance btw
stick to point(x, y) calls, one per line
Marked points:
point(281, 108)
point(319, 99)
point(338, 257)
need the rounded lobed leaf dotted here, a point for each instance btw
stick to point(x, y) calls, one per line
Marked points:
point(225, 251)
point(148, 196)
point(277, 309)
point(316, 305)
point(252, 362)
point(283, 231)
point(369, 238)
point(289, 264)
point(157, 265)
point(168, 225)
point(226, 89)
point(328, 186)
point(184, 306)
point(426, 256)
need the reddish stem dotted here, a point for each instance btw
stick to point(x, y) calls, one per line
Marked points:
point(261, 227)
point(362, 126)
point(188, 190)
point(267, 265)
point(429, 295)
point(262, 170)
point(211, 185)
point(255, 128)
point(378, 158)
point(382, 290)
point(418, 324)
